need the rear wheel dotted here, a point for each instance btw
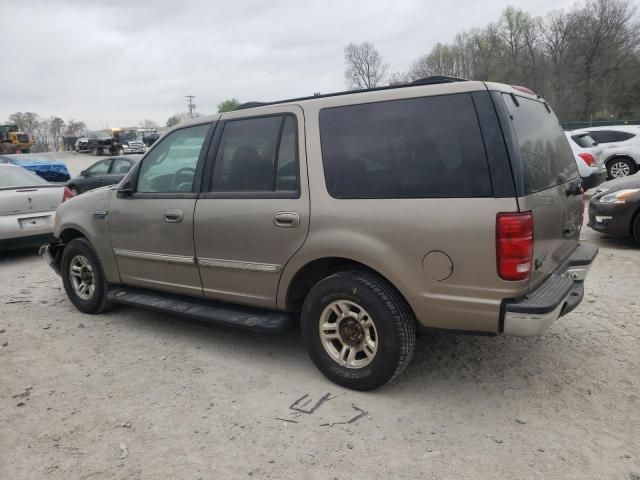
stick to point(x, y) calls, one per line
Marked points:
point(83, 277)
point(96, 152)
point(121, 151)
point(359, 331)
point(620, 167)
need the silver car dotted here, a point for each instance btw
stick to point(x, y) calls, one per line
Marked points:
point(27, 207)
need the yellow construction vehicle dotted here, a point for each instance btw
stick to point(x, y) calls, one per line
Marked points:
point(13, 140)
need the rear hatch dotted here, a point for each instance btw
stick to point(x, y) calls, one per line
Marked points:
point(547, 181)
point(589, 145)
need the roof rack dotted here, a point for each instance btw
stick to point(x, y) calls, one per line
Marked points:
point(432, 80)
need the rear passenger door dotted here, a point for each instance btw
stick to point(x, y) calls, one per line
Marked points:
point(254, 215)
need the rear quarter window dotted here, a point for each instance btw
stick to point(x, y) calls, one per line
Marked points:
point(547, 159)
point(429, 147)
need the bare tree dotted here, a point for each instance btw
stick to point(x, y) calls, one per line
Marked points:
point(399, 78)
point(364, 66)
point(75, 128)
point(146, 123)
point(56, 127)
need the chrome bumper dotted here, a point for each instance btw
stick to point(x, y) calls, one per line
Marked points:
point(558, 295)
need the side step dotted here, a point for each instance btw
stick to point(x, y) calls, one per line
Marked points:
point(249, 318)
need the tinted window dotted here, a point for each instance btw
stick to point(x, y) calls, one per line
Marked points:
point(257, 155)
point(99, 168)
point(609, 136)
point(414, 148)
point(120, 166)
point(585, 140)
point(171, 165)
point(547, 159)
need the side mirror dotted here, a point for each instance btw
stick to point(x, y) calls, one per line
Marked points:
point(125, 189)
point(84, 173)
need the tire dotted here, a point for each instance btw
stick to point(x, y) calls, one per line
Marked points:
point(76, 253)
point(620, 167)
point(121, 151)
point(635, 228)
point(74, 190)
point(386, 317)
point(95, 152)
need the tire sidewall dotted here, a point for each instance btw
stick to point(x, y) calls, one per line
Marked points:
point(384, 365)
point(96, 302)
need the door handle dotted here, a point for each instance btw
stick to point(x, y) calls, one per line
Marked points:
point(173, 215)
point(286, 219)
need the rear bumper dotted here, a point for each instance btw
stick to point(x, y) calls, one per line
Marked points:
point(593, 180)
point(558, 295)
point(13, 227)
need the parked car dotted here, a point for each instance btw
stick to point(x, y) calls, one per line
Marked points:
point(615, 208)
point(27, 207)
point(589, 159)
point(102, 173)
point(621, 145)
point(366, 215)
point(82, 145)
point(50, 170)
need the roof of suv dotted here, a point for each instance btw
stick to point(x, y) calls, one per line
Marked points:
point(442, 83)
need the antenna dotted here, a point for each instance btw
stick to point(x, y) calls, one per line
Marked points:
point(190, 105)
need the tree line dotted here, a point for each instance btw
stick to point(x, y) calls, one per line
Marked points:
point(584, 60)
point(47, 133)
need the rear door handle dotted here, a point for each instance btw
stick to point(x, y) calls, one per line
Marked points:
point(286, 219)
point(173, 215)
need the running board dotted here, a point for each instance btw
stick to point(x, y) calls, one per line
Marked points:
point(249, 318)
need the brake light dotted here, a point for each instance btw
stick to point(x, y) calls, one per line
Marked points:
point(523, 89)
point(514, 245)
point(588, 159)
point(67, 194)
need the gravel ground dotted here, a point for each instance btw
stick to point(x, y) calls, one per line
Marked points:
point(132, 394)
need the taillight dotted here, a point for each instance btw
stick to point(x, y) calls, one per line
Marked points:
point(67, 194)
point(514, 245)
point(588, 159)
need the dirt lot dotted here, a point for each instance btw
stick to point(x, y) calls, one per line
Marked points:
point(133, 394)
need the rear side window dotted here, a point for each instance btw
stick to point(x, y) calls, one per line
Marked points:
point(609, 136)
point(428, 147)
point(547, 159)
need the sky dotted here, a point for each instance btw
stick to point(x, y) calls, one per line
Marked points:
point(115, 63)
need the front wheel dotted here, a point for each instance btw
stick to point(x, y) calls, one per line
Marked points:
point(621, 167)
point(359, 331)
point(83, 277)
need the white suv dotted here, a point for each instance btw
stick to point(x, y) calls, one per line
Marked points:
point(589, 158)
point(621, 145)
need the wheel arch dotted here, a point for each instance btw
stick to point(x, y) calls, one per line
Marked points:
point(624, 156)
point(315, 270)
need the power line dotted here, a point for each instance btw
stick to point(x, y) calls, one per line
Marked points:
point(190, 105)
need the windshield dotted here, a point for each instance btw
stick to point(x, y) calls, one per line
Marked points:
point(127, 136)
point(18, 177)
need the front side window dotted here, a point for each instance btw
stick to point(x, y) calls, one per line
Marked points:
point(100, 168)
point(428, 147)
point(170, 167)
point(257, 155)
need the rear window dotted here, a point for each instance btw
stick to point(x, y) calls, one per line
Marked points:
point(18, 177)
point(547, 159)
point(585, 140)
point(428, 147)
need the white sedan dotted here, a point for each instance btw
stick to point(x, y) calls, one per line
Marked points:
point(27, 207)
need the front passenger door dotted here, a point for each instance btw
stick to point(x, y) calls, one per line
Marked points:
point(152, 227)
point(96, 174)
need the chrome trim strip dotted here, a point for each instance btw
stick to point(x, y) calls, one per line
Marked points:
point(158, 257)
point(238, 265)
